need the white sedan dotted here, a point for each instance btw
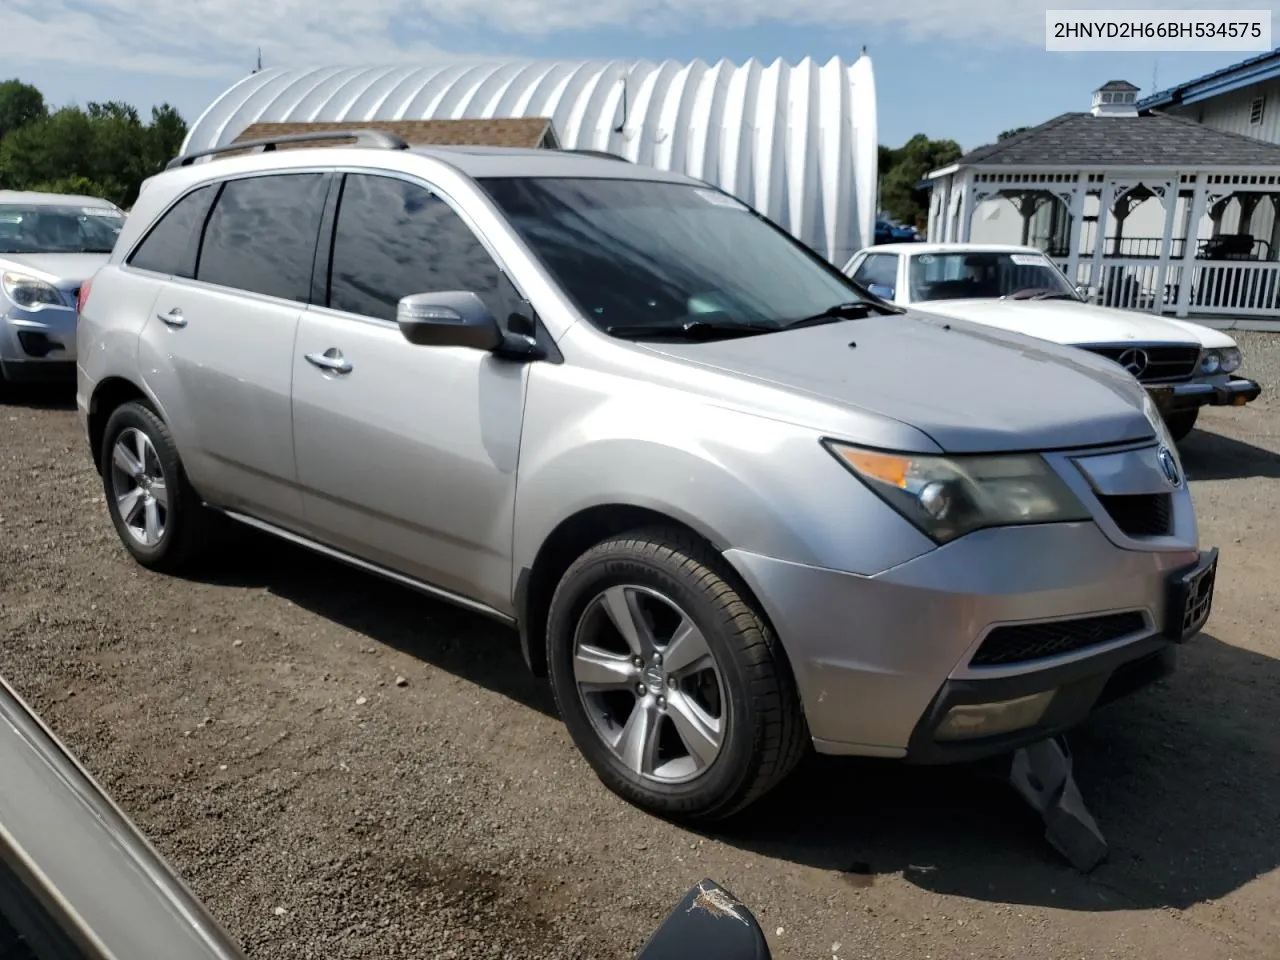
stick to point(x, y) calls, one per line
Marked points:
point(1183, 365)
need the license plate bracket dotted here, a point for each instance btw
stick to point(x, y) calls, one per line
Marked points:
point(1190, 598)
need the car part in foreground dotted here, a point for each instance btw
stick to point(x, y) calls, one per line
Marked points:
point(709, 924)
point(78, 881)
point(1042, 773)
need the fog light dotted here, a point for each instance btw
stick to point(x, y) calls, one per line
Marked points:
point(971, 720)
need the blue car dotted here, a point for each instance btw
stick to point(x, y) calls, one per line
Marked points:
point(889, 232)
point(49, 245)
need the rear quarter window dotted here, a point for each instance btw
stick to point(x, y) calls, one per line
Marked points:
point(170, 246)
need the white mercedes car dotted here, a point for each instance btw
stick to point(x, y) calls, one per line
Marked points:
point(1183, 365)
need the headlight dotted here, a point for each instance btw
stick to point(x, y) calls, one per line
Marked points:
point(1211, 362)
point(947, 497)
point(28, 292)
point(1229, 359)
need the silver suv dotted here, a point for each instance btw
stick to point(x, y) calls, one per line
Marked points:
point(735, 505)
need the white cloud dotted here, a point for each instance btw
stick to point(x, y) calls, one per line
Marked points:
point(218, 37)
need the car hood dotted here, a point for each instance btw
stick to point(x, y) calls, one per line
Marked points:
point(970, 389)
point(56, 268)
point(1075, 324)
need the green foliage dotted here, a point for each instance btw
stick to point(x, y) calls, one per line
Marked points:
point(104, 149)
point(1011, 133)
point(20, 103)
point(902, 168)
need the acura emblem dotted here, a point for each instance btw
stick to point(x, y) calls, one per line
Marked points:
point(1134, 360)
point(1169, 467)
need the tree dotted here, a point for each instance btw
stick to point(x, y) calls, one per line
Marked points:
point(902, 168)
point(1011, 133)
point(20, 104)
point(104, 149)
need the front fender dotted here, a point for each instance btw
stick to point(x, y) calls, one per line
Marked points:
point(743, 481)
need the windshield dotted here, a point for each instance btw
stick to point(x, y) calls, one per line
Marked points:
point(52, 228)
point(987, 276)
point(643, 255)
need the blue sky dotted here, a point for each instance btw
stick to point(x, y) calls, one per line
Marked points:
point(963, 69)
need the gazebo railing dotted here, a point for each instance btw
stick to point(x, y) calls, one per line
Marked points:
point(1225, 288)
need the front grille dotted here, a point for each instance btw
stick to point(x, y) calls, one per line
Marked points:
point(1140, 515)
point(1036, 641)
point(1158, 364)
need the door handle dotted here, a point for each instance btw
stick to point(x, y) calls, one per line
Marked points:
point(173, 318)
point(330, 360)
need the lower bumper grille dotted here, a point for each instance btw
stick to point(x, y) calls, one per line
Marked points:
point(1035, 641)
point(1153, 364)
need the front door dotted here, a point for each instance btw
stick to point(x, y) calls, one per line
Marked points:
point(407, 454)
point(218, 348)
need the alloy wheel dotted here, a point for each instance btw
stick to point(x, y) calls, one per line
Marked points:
point(139, 487)
point(650, 684)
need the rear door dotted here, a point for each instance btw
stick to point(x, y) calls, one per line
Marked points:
point(217, 349)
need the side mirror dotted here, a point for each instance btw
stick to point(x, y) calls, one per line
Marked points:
point(450, 318)
point(881, 291)
point(708, 924)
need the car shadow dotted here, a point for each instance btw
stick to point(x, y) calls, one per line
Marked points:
point(1183, 779)
point(1211, 456)
point(465, 644)
point(39, 396)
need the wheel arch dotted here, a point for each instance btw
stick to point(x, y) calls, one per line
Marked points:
point(572, 537)
point(109, 394)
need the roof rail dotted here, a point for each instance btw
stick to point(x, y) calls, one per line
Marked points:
point(603, 154)
point(380, 139)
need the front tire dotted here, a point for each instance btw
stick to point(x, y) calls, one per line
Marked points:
point(1181, 423)
point(670, 682)
point(156, 513)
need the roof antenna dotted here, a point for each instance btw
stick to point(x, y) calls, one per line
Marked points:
point(259, 66)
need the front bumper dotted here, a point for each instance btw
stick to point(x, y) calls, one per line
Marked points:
point(38, 344)
point(881, 660)
point(1228, 391)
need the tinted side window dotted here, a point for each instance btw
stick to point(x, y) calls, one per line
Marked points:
point(261, 236)
point(393, 238)
point(880, 269)
point(170, 246)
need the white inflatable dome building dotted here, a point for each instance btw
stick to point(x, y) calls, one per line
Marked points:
point(796, 142)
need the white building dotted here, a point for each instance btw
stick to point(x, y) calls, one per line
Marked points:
point(796, 142)
point(1243, 98)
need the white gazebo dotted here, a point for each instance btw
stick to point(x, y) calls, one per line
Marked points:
point(1148, 212)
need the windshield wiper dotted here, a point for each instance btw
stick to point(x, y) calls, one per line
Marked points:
point(691, 329)
point(1039, 293)
point(853, 310)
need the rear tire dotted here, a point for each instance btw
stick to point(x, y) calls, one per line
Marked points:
point(1181, 423)
point(157, 514)
point(670, 682)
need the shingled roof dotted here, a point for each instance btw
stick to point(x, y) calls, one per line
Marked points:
point(531, 132)
point(1156, 140)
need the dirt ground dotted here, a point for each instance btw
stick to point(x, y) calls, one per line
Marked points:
point(253, 725)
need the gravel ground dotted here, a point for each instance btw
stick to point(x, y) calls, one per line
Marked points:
point(344, 769)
